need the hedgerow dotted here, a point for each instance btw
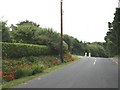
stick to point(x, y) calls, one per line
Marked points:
point(17, 50)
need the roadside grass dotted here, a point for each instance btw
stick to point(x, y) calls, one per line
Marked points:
point(0, 86)
point(16, 82)
point(76, 56)
point(116, 61)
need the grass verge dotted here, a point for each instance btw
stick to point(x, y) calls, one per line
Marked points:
point(16, 82)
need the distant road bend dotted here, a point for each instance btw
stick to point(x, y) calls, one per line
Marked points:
point(87, 72)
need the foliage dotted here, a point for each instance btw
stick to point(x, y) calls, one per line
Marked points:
point(14, 69)
point(68, 40)
point(30, 32)
point(74, 45)
point(38, 68)
point(5, 32)
point(24, 32)
point(65, 47)
point(68, 57)
point(16, 50)
point(50, 38)
point(112, 37)
point(25, 66)
point(78, 47)
point(48, 61)
point(97, 50)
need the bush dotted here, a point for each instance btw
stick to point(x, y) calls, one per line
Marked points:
point(17, 50)
point(97, 50)
point(28, 71)
point(31, 59)
point(14, 69)
point(27, 66)
point(68, 57)
point(22, 72)
point(37, 68)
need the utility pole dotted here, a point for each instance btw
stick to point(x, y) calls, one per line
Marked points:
point(61, 14)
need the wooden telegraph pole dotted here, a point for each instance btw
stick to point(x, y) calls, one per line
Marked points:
point(61, 15)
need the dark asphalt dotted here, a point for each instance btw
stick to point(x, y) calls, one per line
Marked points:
point(88, 72)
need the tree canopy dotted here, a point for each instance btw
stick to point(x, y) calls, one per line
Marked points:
point(5, 32)
point(31, 33)
point(112, 37)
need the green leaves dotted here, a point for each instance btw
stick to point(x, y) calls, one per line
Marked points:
point(74, 45)
point(112, 37)
point(24, 32)
point(97, 49)
point(31, 33)
point(16, 50)
point(5, 32)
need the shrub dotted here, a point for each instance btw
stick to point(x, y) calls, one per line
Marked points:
point(68, 57)
point(8, 77)
point(17, 50)
point(14, 69)
point(37, 68)
point(27, 66)
point(29, 59)
point(65, 61)
point(22, 72)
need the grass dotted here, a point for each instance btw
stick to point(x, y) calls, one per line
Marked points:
point(0, 86)
point(16, 82)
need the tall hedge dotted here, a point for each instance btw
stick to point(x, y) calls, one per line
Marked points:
point(17, 50)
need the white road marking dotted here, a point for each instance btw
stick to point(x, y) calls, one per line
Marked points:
point(39, 78)
point(117, 62)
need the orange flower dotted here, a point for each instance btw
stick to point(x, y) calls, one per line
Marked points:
point(11, 76)
point(3, 76)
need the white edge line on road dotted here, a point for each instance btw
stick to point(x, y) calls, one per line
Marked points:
point(115, 61)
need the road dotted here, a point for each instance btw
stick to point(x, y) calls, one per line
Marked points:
point(87, 72)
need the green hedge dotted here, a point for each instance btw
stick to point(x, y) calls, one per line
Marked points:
point(17, 50)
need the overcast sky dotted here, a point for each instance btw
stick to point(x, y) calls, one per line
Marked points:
point(85, 20)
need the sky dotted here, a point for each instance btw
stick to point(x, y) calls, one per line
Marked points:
point(86, 20)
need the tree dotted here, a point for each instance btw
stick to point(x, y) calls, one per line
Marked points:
point(24, 32)
point(74, 45)
point(30, 32)
point(112, 37)
point(68, 39)
point(97, 49)
point(5, 32)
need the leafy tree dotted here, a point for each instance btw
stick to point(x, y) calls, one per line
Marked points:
point(74, 45)
point(5, 32)
point(68, 39)
point(112, 37)
point(97, 49)
point(24, 32)
point(30, 32)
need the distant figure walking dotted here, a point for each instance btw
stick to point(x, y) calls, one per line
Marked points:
point(85, 54)
point(89, 54)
